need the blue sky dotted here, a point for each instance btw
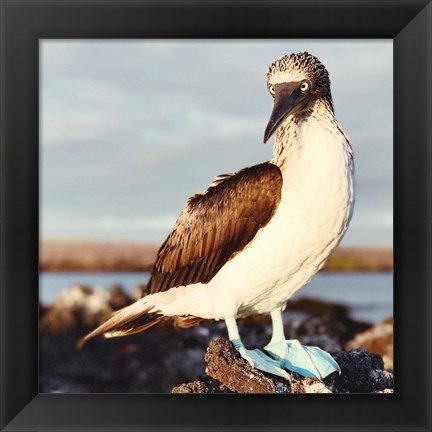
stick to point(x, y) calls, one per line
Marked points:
point(131, 129)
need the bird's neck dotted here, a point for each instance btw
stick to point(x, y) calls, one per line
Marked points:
point(298, 132)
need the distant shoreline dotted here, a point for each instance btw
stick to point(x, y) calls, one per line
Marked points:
point(61, 255)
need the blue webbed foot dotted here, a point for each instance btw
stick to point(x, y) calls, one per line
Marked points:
point(256, 358)
point(261, 361)
point(309, 361)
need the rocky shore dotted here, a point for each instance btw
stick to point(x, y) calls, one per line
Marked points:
point(361, 372)
point(200, 359)
point(92, 255)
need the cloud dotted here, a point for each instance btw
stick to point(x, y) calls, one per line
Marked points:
point(139, 228)
point(130, 129)
point(137, 224)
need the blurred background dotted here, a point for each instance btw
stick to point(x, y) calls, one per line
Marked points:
point(130, 130)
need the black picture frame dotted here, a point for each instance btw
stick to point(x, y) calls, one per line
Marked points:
point(23, 23)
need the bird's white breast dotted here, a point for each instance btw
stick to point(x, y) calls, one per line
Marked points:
point(316, 205)
point(313, 215)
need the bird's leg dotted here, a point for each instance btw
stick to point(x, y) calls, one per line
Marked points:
point(256, 358)
point(305, 360)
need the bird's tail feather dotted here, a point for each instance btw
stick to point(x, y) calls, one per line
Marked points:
point(132, 319)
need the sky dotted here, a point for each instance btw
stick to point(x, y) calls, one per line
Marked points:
point(131, 128)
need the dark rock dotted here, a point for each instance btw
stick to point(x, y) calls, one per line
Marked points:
point(230, 373)
point(313, 322)
point(328, 323)
point(81, 306)
point(308, 385)
point(225, 364)
point(184, 362)
point(377, 339)
point(361, 372)
point(50, 384)
point(162, 357)
point(118, 298)
point(205, 387)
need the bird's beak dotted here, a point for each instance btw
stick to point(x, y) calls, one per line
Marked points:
point(287, 98)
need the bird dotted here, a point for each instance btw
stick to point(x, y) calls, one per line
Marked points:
point(256, 236)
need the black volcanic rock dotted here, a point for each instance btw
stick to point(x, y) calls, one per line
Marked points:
point(361, 372)
point(163, 357)
point(377, 339)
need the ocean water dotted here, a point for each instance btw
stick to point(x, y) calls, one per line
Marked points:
point(369, 295)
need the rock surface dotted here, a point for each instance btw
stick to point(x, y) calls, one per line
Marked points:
point(225, 364)
point(163, 357)
point(378, 339)
point(79, 255)
point(361, 372)
point(81, 307)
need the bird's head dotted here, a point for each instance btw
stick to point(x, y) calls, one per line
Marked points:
point(295, 82)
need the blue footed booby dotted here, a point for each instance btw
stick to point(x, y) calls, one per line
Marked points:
point(256, 236)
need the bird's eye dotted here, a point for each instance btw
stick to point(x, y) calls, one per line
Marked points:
point(304, 86)
point(272, 90)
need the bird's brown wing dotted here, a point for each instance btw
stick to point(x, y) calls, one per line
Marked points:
point(215, 225)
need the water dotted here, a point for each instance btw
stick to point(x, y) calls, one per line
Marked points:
point(369, 295)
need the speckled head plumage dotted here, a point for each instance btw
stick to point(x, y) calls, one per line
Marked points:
point(296, 82)
point(299, 66)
